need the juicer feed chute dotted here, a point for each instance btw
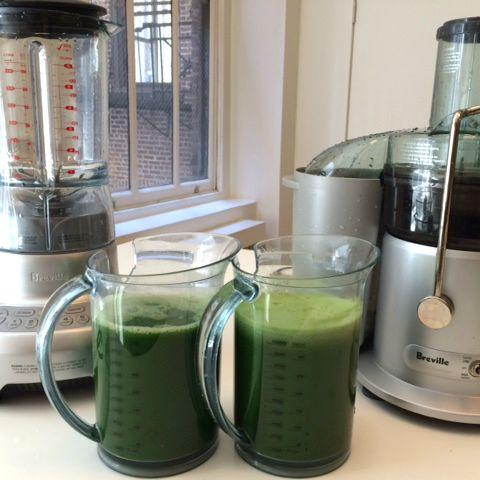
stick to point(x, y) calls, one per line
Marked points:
point(457, 83)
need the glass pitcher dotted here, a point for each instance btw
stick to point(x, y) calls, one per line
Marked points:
point(150, 416)
point(297, 319)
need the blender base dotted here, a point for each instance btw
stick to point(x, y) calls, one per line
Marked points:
point(431, 403)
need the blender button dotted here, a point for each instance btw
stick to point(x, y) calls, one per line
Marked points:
point(76, 309)
point(2, 318)
point(83, 319)
point(14, 323)
point(31, 323)
point(474, 368)
point(66, 321)
point(24, 312)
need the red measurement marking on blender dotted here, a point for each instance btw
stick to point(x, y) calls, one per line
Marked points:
point(65, 107)
point(64, 46)
point(12, 88)
point(12, 70)
point(69, 66)
point(18, 104)
point(15, 105)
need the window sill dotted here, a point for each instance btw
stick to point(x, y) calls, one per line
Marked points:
point(235, 217)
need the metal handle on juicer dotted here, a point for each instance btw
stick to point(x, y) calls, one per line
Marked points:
point(436, 311)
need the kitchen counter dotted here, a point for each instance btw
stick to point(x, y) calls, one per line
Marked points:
point(388, 443)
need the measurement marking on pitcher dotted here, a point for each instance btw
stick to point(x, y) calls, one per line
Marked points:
point(285, 395)
point(276, 412)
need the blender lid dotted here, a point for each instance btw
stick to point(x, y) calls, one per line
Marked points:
point(63, 6)
point(460, 29)
point(27, 17)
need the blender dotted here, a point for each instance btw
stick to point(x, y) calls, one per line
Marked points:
point(55, 204)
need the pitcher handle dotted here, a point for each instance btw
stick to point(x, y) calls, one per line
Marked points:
point(214, 320)
point(52, 313)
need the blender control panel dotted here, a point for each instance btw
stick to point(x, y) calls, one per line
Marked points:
point(27, 319)
point(460, 366)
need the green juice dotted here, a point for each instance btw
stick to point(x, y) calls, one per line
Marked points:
point(295, 367)
point(148, 402)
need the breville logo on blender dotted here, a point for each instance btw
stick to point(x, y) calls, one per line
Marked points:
point(37, 277)
point(436, 360)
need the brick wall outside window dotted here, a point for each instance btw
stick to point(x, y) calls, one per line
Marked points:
point(154, 122)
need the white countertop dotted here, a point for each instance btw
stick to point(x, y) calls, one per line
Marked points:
point(388, 443)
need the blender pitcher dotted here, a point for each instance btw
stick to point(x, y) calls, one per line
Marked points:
point(297, 319)
point(53, 126)
point(150, 416)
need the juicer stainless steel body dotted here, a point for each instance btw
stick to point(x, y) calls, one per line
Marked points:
point(432, 372)
point(327, 196)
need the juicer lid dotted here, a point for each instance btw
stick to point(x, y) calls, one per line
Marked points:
point(30, 17)
point(466, 30)
point(361, 157)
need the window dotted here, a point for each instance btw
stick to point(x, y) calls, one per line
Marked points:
point(160, 125)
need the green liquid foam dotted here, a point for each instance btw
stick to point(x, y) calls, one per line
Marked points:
point(148, 401)
point(295, 364)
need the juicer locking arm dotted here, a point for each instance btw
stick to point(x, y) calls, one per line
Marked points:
point(436, 311)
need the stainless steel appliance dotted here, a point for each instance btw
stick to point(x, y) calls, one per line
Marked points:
point(55, 204)
point(425, 352)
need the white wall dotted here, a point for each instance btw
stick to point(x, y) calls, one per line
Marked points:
point(323, 74)
point(261, 76)
point(394, 61)
point(392, 67)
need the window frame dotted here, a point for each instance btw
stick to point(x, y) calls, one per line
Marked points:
point(179, 193)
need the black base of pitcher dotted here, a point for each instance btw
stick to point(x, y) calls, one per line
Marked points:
point(155, 469)
point(291, 469)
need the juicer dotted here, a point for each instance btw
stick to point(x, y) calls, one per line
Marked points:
point(418, 191)
point(55, 204)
